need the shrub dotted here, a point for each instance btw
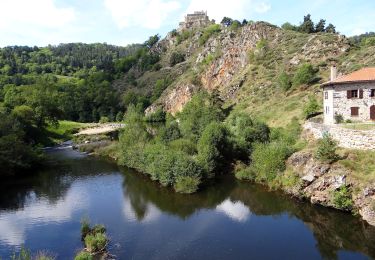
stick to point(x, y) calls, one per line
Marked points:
point(98, 228)
point(268, 160)
point(284, 81)
point(96, 242)
point(85, 227)
point(311, 108)
point(208, 32)
point(339, 118)
point(184, 145)
point(211, 148)
point(104, 120)
point(157, 116)
point(244, 132)
point(306, 74)
point(326, 149)
point(169, 133)
point(187, 184)
point(342, 198)
point(245, 174)
point(83, 256)
point(176, 58)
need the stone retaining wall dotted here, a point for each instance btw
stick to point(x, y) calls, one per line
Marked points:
point(346, 138)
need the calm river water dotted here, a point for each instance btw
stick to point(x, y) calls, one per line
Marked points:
point(226, 220)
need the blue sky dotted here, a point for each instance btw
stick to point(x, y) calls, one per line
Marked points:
point(121, 22)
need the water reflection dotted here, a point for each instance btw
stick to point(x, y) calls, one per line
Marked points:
point(225, 220)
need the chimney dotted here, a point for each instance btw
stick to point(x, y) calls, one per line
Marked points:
point(333, 72)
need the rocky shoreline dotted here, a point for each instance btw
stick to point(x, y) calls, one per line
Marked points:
point(318, 182)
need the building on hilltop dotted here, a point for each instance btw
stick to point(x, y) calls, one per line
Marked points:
point(197, 19)
point(351, 96)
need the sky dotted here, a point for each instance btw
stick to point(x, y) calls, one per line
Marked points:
point(122, 22)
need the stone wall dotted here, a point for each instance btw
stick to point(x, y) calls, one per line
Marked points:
point(346, 138)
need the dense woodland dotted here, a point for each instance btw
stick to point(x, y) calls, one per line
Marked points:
point(40, 86)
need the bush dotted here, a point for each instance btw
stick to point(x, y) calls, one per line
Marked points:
point(208, 32)
point(268, 160)
point(306, 74)
point(176, 58)
point(339, 118)
point(212, 148)
point(187, 184)
point(311, 108)
point(83, 256)
point(157, 116)
point(85, 227)
point(96, 242)
point(284, 81)
point(244, 132)
point(245, 174)
point(342, 198)
point(169, 133)
point(104, 120)
point(184, 145)
point(326, 149)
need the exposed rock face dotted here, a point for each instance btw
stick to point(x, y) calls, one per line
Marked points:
point(320, 180)
point(175, 100)
point(235, 53)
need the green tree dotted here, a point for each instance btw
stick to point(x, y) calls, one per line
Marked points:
point(176, 58)
point(211, 148)
point(326, 149)
point(284, 81)
point(331, 28)
point(320, 26)
point(308, 25)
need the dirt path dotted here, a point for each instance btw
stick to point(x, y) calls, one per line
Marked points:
point(101, 129)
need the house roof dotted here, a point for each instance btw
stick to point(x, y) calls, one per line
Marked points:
point(362, 75)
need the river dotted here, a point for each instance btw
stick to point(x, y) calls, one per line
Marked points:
point(228, 219)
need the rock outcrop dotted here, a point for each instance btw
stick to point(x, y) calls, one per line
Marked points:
point(320, 180)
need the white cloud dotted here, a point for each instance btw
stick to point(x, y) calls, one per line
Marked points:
point(235, 210)
point(34, 13)
point(34, 22)
point(149, 14)
point(237, 9)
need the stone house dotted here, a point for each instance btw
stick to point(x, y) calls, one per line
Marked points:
point(352, 96)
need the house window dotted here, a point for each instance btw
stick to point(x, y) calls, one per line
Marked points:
point(372, 93)
point(354, 111)
point(354, 93)
point(327, 110)
point(326, 95)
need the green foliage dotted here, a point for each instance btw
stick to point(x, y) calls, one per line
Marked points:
point(311, 108)
point(169, 133)
point(104, 120)
point(85, 227)
point(160, 86)
point(96, 242)
point(197, 114)
point(268, 160)
point(307, 26)
point(305, 74)
point(244, 132)
point(212, 148)
point(326, 150)
point(187, 184)
point(339, 119)
point(342, 198)
point(184, 35)
point(208, 32)
point(152, 40)
point(245, 174)
point(83, 255)
point(157, 116)
point(226, 21)
point(184, 145)
point(369, 41)
point(289, 26)
point(176, 58)
point(284, 81)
